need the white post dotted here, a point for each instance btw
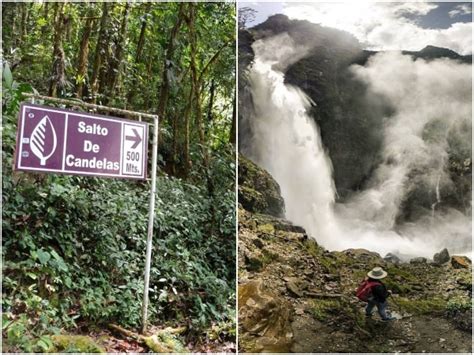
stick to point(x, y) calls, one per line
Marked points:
point(151, 215)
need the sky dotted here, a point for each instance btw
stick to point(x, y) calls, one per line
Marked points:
point(384, 25)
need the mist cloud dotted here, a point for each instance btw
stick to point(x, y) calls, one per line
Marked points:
point(385, 26)
point(432, 102)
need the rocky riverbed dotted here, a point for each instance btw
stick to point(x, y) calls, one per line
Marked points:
point(295, 296)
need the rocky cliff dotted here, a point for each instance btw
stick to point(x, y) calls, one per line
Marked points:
point(350, 119)
point(295, 296)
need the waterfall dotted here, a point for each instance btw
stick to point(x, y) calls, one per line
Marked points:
point(287, 143)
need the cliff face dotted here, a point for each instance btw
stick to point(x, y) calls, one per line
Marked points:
point(294, 296)
point(258, 191)
point(350, 119)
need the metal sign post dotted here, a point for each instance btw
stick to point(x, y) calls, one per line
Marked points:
point(151, 215)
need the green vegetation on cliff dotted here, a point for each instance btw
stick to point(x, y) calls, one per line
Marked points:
point(296, 296)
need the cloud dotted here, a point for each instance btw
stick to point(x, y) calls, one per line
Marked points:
point(460, 10)
point(385, 26)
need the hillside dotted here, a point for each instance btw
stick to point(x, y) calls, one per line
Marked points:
point(295, 296)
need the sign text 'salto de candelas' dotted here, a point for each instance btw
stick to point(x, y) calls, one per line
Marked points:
point(63, 141)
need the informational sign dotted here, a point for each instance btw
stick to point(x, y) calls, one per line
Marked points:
point(54, 140)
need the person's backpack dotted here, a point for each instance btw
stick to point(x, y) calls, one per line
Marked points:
point(365, 289)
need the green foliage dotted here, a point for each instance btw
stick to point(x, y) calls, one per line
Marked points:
point(74, 344)
point(459, 304)
point(74, 247)
point(28, 42)
point(321, 308)
point(18, 335)
point(421, 306)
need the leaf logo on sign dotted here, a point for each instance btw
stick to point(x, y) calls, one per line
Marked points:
point(43, 140)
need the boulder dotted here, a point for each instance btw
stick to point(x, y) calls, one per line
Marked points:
point(292, 284)
point(392, 258)
point(460, 262)
point(75, 343)
point(264, 319)
point(418, 260)
point(442, 257)
point(253, 260)
point(164, 342)
point(258, 191)
point(363, 254)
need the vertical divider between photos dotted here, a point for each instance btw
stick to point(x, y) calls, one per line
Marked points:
point(236, 178)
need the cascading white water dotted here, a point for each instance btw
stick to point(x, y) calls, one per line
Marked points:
point(287, 143)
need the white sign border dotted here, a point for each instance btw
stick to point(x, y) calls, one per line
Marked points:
point(66, 112)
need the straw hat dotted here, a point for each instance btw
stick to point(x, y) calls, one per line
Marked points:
point(377, 273)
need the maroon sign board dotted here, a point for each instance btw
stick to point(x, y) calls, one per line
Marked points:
point(54, 140)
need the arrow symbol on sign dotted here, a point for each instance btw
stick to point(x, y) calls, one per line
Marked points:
point(135, 138)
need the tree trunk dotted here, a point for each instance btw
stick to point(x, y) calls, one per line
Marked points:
point(141, 37)
point(138, 55)
point(115, 64)
point(58, 78)
point(45, 10)
point(8, 13)
point(84, 54)
point(146, 103)
point(164, 89)
point(211, 102)
point(174, 146)
point(98, 52)
point(45, 15)
point(187, 113)
point(24, 14)
point(196, 82)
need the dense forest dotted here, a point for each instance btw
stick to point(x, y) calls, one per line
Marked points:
point(73, 248)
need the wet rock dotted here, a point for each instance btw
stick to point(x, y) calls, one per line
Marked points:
point(293, 288)
point(264, 318)
point(442, 257)
point(80, 343)
point(392, 258)
point(253, 260)
point(331, 277)
point(164, 342)
point(460, 262)
point(362, 254)
point(286, 226)
point(258, 243)
point(258, 191)
point(266, 229)
point(418, 260)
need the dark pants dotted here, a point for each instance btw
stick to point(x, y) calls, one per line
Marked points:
point(381, 308)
